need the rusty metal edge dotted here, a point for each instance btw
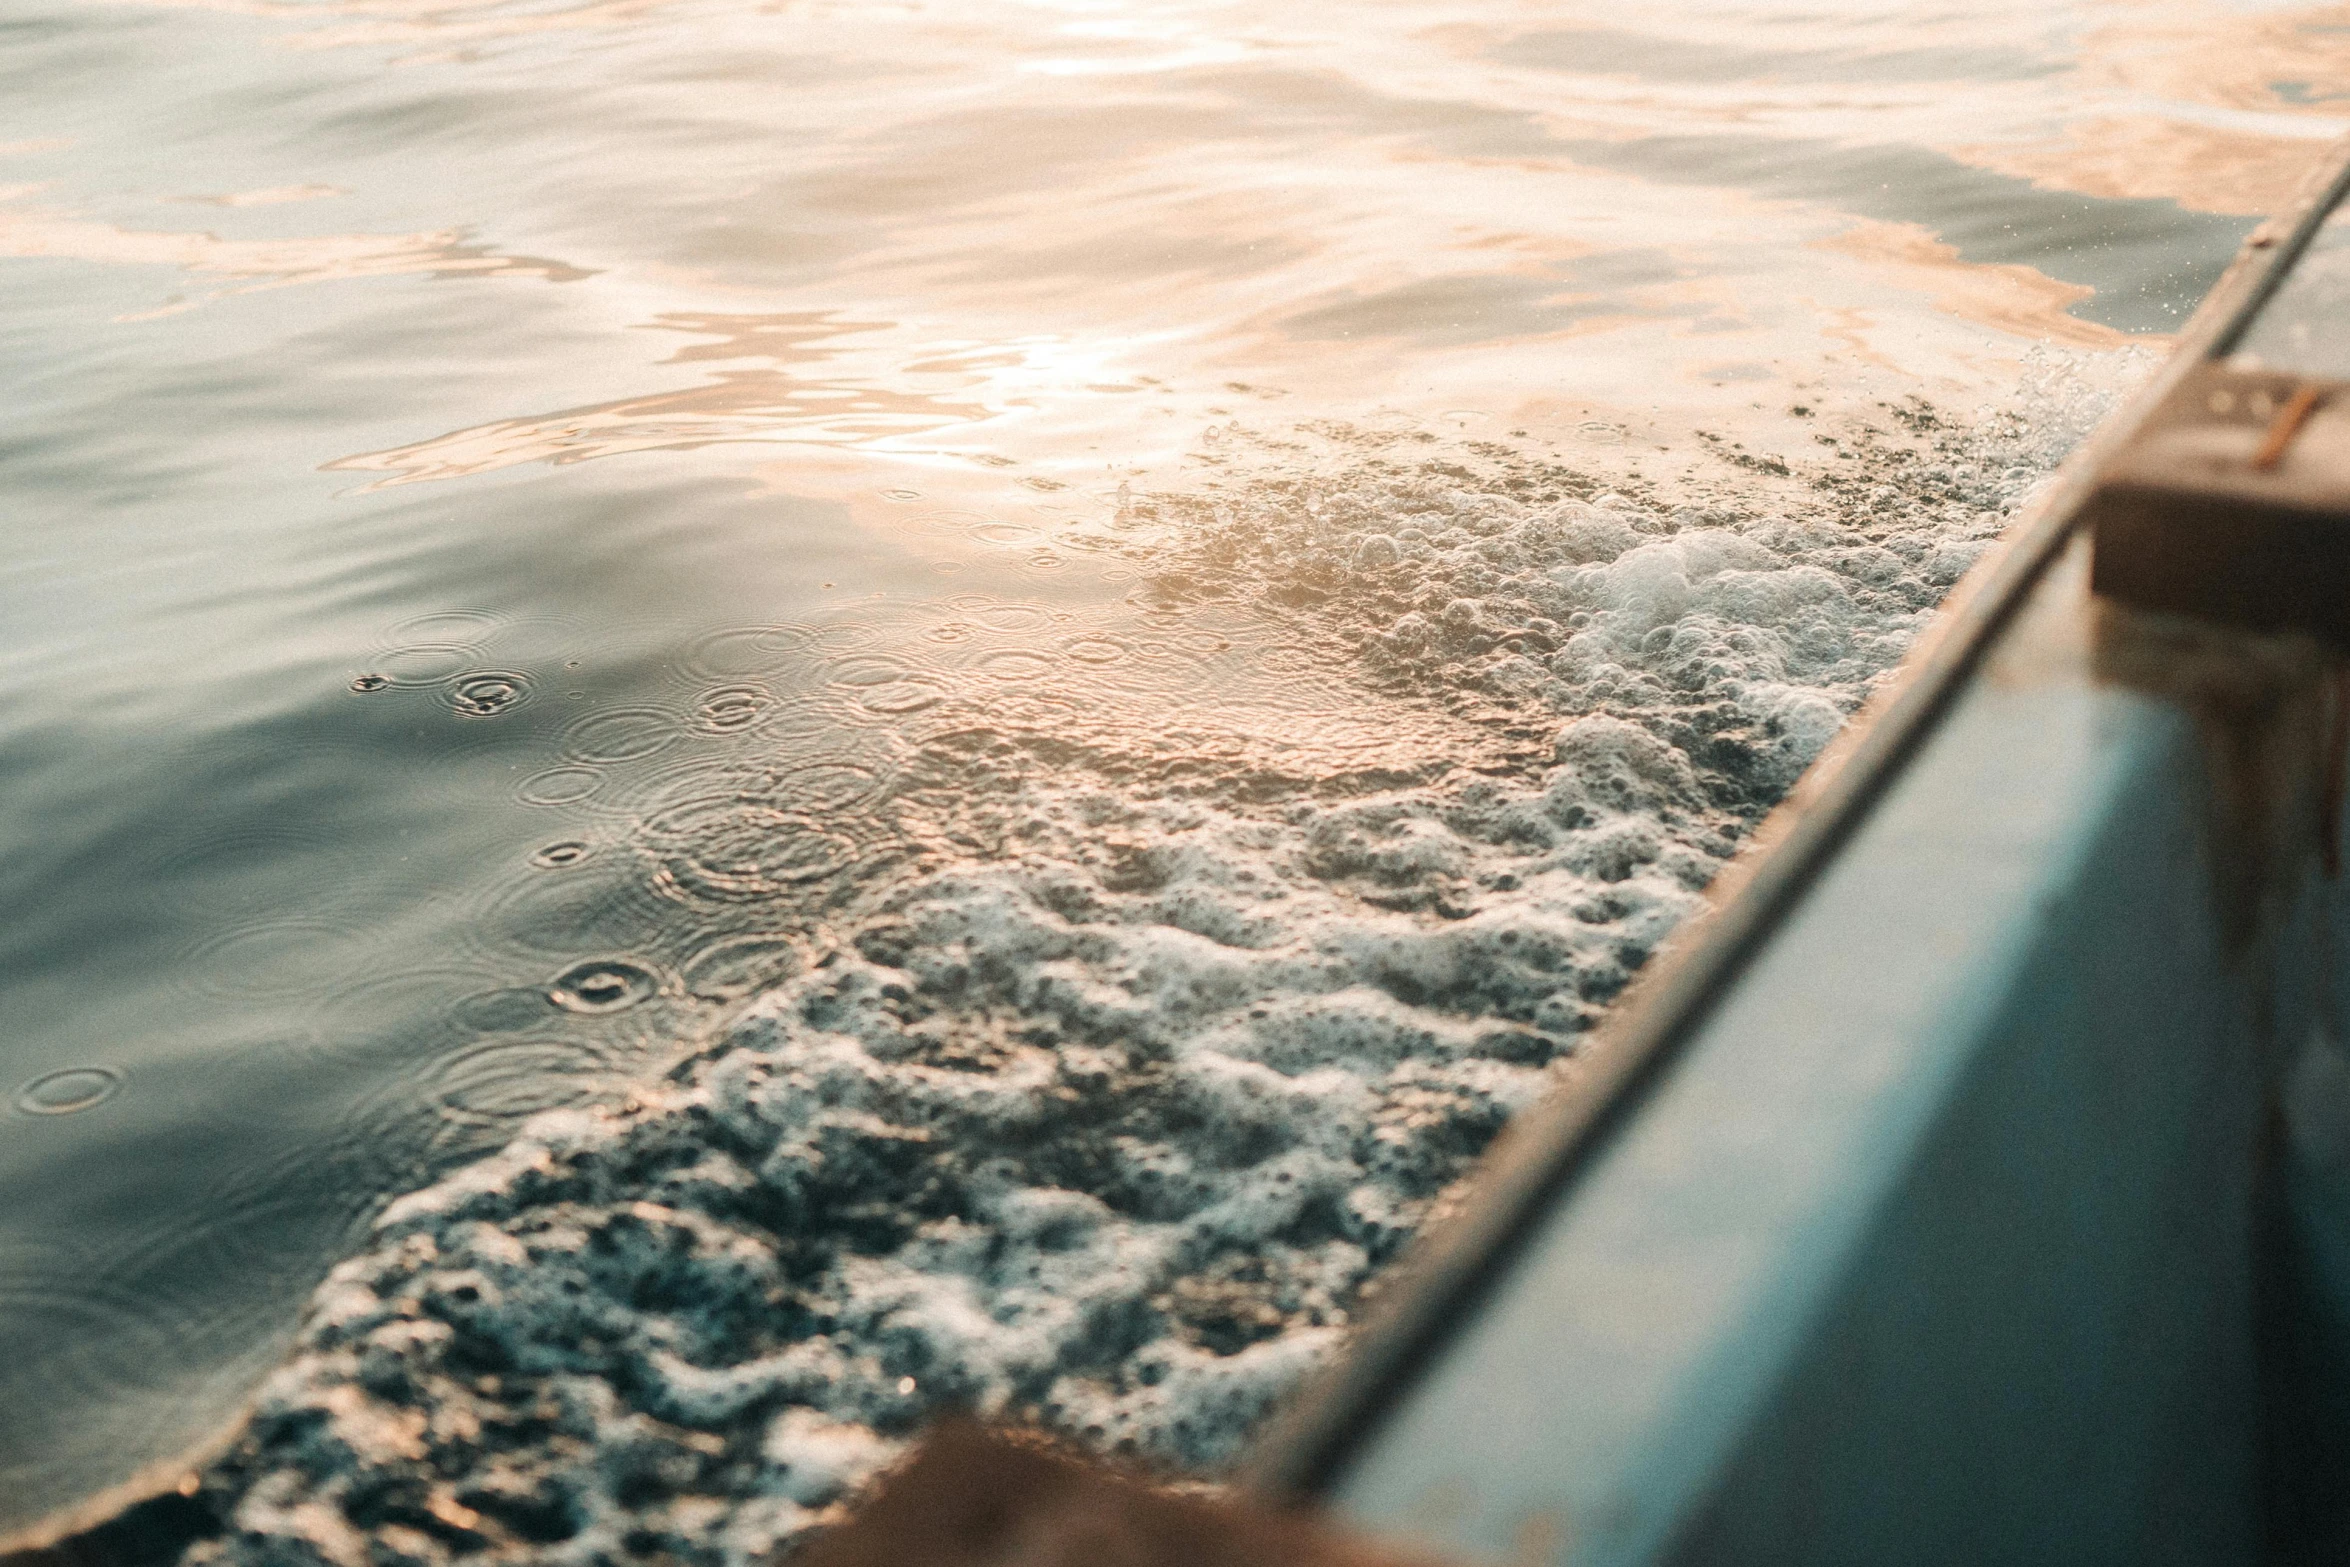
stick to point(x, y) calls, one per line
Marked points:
point(1309, 1444)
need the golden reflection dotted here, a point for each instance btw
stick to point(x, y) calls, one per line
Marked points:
point(2294, 60)
point(2212, 107)
point(29, 232)
point(768, 404)
point(350, 24)
point(276, 196)
point(2012, 298)
point(2209, 168)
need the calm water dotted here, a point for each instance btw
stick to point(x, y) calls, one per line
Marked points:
point(500, 497)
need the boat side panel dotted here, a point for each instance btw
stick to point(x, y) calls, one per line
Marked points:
point(1935, 1245)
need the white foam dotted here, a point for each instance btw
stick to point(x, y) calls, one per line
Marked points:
point(1109, 1131)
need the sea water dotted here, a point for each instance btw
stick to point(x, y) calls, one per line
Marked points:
point(901, 705)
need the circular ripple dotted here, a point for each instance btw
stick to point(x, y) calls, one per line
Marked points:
point(604, 903)
point(623, 734)
point(894, 697)
point(872, 669)
point(395, 1020)
point(488, 692)
point(559, 786)
point(829, 786)
point(509, 1010)
point(425, 664)
point(239, 868)
point(86, 1349)
point(1290, 658)
point(732, 968)
point(363, 684)
point(742, 651)
point(288, 957)
point(603, 985)
point(1015, 664)
point(731, 709)
point(64, 1092)
point(1003, 533)
point(843, 637)
point(445, 626)
point(733, 850)
point(1012, 617)
point(510, 1079)
point(1096, 650)
point(557, 856)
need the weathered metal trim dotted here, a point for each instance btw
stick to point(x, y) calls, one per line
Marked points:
point(2318, 196)
point(1446, 1274)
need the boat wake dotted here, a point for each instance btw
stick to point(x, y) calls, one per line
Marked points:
point(1104, 1104)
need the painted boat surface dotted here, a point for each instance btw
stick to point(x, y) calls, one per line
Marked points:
point(1973, 1185)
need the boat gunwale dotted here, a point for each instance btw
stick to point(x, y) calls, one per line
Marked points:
point(1449, 1270)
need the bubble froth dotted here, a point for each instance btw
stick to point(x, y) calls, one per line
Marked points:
point(1100, 1102)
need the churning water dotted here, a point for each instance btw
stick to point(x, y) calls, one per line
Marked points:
point(1019, 665)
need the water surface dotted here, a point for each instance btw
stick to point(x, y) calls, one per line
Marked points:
point(528, 522)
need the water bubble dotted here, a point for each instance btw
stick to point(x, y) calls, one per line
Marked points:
point(559, 786)
point(555, 856)
point(370, 682)
point(623, 734)
point(603, 985)
point(732, 709)
point(64, 1092)
point(738, 965)
point(487, 693)
point(1014, 664)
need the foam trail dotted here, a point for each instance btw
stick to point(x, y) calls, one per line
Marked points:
point(1108, 1117)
